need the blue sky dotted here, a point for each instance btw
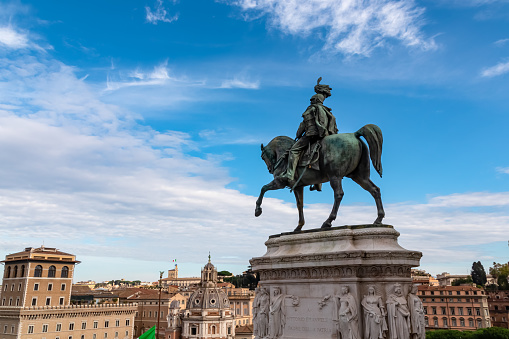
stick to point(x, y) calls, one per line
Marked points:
point(130, 131)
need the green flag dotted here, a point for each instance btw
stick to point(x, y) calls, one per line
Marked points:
point(150, 334)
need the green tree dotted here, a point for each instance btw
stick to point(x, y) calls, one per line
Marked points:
point(482, 333)
point(457, 282)
point(500, 272)
point(478, 274)
point(224, 274)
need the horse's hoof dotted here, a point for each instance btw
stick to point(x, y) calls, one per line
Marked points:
point(327, 224)
point(298, 228)
point(258, 211)
point(378, 221)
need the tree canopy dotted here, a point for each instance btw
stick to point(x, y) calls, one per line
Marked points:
point(500, 272)
point(482, 333)
point(478, 274)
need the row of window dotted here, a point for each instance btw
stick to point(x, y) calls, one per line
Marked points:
point(451, 300)
point(450, 292)
point(36, 287)
point(454, 322)
point(52, 270)
point(452, 310)
point(150, 314)
point(58, 327)
point(94, 336)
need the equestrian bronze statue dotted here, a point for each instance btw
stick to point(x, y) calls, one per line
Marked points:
point(319, 155)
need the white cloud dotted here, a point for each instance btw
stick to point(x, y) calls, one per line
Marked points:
point(352, 26)
point(501, 42)
point(10, 38)
point(240, 83)
point(159, 13)
point(498, 69)
point(158, 76)
point(504, 170)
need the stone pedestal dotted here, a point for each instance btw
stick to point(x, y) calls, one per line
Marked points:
point(317, 282)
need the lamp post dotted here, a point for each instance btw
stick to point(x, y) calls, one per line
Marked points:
point(159, 304)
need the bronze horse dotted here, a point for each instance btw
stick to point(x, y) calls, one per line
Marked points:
point(341, 155)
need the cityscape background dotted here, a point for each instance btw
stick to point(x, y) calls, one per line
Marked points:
point(130, 131)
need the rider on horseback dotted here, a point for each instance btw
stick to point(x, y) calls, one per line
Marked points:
point(318, 122)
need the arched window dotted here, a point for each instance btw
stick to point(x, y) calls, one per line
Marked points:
point(65, 272)
point(15, 271)
point(453, 322)
point(52, 271)
point(479, 323)
point(22, 273)
point(444, 321)
point(38, 271)
point(8, 272)
point(426, 321)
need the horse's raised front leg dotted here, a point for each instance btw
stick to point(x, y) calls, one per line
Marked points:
point(336, 185)
point(299, 199)
point(369, 186)
point(273, 185)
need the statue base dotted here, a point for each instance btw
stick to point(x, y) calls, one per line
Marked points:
point(311, 268)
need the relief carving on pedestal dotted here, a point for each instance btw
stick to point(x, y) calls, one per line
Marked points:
point(346, 315)
point(375, 326)
point(261, 308)
point(398, 314)
point(277, 314)
point(417, 316)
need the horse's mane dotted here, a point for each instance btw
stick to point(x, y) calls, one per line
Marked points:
point(281, 143)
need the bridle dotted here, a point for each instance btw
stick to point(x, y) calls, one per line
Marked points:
point(271, 160)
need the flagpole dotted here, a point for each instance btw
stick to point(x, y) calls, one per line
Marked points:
point(159, 304)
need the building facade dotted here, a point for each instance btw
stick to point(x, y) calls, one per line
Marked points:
point(208, 313)
point(36, 291)
point(455, 307)
point(498, 303)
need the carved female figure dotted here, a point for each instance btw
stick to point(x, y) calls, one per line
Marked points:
point(262, 317)
point(418, 325)
point(256, 307)
point(375, 325)
point(347, 315)
point(277, 314)
point(398, 314)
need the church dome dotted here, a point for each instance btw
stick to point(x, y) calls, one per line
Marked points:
point(208, 298)
point(208, 295)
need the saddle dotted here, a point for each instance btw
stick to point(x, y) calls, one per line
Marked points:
point(309, 158)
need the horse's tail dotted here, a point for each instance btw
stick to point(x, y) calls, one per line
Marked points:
point(373, 135)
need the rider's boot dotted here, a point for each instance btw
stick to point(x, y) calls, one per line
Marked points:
point(289, 174)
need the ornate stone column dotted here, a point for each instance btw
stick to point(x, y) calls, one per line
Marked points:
point(324, 274)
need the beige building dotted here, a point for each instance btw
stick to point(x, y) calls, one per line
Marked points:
point(182, 283)
point(446, 279)
point(149, 309)
point(36, 290)
point(207, 313)
point(455, 307)
point(241, 302)
point(499, 308)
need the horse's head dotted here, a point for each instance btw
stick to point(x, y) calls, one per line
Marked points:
point(268, 155)
point(274, 150)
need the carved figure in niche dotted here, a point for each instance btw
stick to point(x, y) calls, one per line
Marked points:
point(398, 314)
point(346, 314)
point(277, 314)
point(262, 316)
point(417, 317)
point(375, 326)
point(256, 309)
